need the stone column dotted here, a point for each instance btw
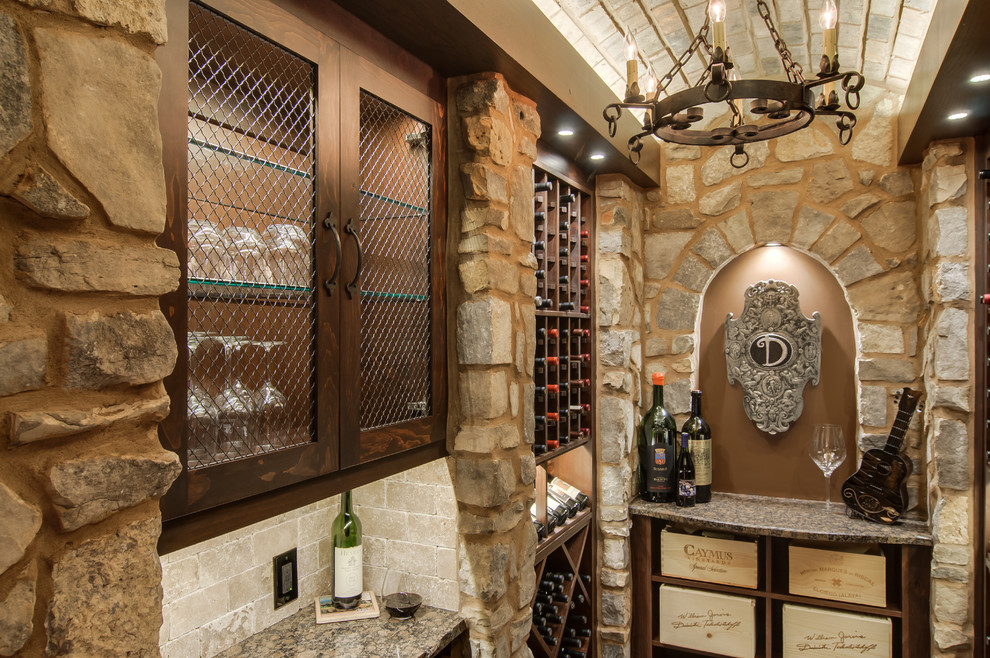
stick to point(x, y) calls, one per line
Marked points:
point(493, 145)
point(620, 319)
point(949, 271)
point(83, 346)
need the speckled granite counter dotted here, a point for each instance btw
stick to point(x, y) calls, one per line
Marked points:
point(299, 636)
point(784, 517)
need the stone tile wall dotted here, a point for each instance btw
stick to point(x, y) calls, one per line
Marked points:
point(220, 591)
point(83, 346)
point(948, 213)
point(492, 136)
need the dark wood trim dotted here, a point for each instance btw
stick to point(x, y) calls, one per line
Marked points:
point(556, 165)
point(981, 625)
point(194, 528)
point(641, 549)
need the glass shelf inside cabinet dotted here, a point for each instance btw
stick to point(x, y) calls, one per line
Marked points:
point(239, 290)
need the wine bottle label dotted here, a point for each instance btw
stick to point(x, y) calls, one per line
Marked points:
point(686, 489)
point(661, 470)
point(347, 572)
point(701, 452)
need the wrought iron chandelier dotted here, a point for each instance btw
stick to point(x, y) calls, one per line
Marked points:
point(782, 107)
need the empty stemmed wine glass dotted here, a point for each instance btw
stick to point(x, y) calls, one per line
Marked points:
point(269, 402)
point(204, 415)
point(235, 402)
point(828, 451)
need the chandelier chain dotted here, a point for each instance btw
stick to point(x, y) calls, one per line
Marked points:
point(795, 72)
point(685, 58)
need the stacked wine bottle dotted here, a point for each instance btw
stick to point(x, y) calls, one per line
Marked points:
point(562, 371)
point(561, 613)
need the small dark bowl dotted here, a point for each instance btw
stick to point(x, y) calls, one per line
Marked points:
point(402, 605)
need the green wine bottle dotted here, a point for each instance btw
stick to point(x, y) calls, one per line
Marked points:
point(700, 445)
point(658, 446)
point(348, 565)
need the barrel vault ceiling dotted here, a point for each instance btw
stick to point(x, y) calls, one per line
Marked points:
point(880, 38)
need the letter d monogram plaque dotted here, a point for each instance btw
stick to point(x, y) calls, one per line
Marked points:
point(773, 350)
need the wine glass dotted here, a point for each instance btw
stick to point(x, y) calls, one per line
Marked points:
point(828, 451)
point(235, 402)
point(269, 402)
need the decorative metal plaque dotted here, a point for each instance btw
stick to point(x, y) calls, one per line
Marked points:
point(773, 350)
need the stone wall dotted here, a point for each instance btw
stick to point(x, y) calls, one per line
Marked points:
point(83, 346)
point(219, 592)
point(948, 244)
point(491, 286)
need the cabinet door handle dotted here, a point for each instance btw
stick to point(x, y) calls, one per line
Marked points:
point(351, 229)
point(330, 224)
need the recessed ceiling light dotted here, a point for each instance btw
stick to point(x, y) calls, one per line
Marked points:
point(566, 132)
point(982, 77)
point(957, 116)
point(597, 156)
point(772, 244)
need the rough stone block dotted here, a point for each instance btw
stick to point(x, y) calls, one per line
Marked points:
point(15, 86)
point(56, 263)
point(483, 393)
point(680, 184)
point(829, 181)
point(127, 348)
point(956, 398)
point(952, 454)
point(488, 136)
point(836, 240)
point(674, 152)
point(947, 183)
point(802, 145)
point(951, 282)
point(619, 216)
point(886, 370)
point(718, 167)
point(615, 483)
point(857, 265)
point(89, 591)
point(884, 338)
point(737, 231)
point(486, 482)
point(142, 17)
point(113, 149)
point(23, 365)
point(811, 223)
point(482, 570)
point(947, 637)
point(615, 241)
point(487, 439)
point(873, 406)
point(950, 523)
point(482, 183)
point(874, 143)
point(712, 247)
point(897, 183)
point(614, 347)
point(693, 274)
point(951, 231)
point(892, 226)
point(30, 426)
point(526, 116)
point(475, 216)
point(481, 95)
point(615, 608)
point(677, 310)
point(675, 220)
point(90, 488)
point(773, 214)
point(782, 177)
point(618, 426)
point(856, 206)
point(660, 252)
point(42, 193)
point(615, 295)
point(5, 309)
point(502, 520)
point(484, 332)
point(950, 602)
point(615, 553)
point(952, 331)
point(891, 297)
point(22, 520)
point(17, 612)
point(721, 201)
point(521, 203)
point(948, 554)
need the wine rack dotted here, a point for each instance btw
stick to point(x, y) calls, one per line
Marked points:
point(563, 608)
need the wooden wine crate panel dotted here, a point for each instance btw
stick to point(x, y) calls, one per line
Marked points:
point(850, 576)
point(706, 621)
point(818, 632)
point(725, 561)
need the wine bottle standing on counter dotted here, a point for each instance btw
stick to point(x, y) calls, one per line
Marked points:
point(700, 445)
point(658, 434)
point(348, 562)
point(685, 475)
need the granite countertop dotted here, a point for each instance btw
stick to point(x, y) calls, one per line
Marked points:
point(299, 636)
point(784, 517)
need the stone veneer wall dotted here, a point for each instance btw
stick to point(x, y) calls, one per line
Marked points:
point(949, 255)
point(492, 135)
point(855, 211)
point(83, 346)
point(219, 592)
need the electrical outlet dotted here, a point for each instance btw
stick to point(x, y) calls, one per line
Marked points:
point(285, 578)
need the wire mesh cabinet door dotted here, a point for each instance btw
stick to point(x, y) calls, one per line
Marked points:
point(251, 211)
point(392, 366)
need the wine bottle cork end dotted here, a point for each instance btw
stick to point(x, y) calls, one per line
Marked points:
point(658, 379)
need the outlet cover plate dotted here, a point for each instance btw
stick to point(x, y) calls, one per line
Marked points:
point(286, 578)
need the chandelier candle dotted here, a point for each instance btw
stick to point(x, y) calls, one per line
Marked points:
point(716, 12)
point(830, 45)
point(632, 70)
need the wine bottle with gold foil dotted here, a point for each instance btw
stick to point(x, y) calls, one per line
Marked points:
point(700, 446)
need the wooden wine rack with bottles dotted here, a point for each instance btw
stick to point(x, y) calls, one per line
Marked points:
point(564, 611)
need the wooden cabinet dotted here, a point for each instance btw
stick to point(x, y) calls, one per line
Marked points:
point(777, 525)
point(306, 206)
point(564, 607)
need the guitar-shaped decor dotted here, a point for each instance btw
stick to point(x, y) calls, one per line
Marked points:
point(878, 490)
